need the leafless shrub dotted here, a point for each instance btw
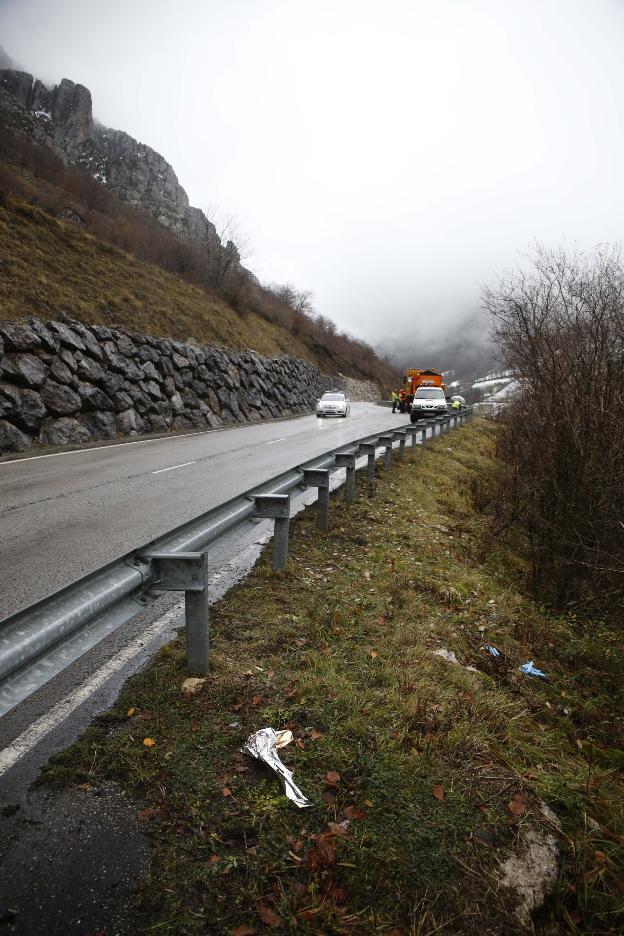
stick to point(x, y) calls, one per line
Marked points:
point(560, 326)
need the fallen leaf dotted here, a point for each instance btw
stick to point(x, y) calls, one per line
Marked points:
point(267, 915)
point(517, 804)
point(194, 726)
point(332, 776)
point(354, 812)
point(368, 803)
point(146, 716)
point(237, 707)
point(299, 744)
point(243, 930)
point(149, 742)
point(600, 857)
point(130, 712)
point(325, 650)
point(374, 654)
point(257, 699)
point(226, 791)
point(301, 641)
point(85, 786)
point(315, 734)
point(438, 791)
point(146, 814)
point(337, 894)
point(271, 674)
point(323, 855)
point(214, 859)
point(329, 797)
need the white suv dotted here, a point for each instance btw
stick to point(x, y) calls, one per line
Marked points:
point(333, 403)
point(428, 401)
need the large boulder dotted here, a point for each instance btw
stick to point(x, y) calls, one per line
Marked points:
point(66, 336)
point(93, 398)
point(90, 370)
point(19, 337)
point(24, 407)
point(59, 399)
point(13, 439)
point(129, 422)
point(24, 369)
point(99, 425)
point(60, 372)
point(63, 431)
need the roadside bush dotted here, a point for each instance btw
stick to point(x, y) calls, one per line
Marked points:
point(560, 326)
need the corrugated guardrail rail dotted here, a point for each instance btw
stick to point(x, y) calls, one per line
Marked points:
point(39, 641)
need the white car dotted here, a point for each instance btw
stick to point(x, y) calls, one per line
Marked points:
point(333, 403)
point(428, 401)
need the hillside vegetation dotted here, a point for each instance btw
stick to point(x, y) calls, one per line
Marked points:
point(49, 266)
point(425, 773)
point(67, 244)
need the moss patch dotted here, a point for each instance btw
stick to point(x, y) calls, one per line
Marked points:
point(423, 774)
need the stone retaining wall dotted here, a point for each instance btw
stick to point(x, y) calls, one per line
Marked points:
point(63, 383)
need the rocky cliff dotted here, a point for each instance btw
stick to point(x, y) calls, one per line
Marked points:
point(62, 118)
point(62, 383)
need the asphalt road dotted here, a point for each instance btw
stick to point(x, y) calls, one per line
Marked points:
point(64, 515)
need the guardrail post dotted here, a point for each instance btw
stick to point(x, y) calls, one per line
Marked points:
point(319, 478)
point(276, 507)
point(421, 425)
point(370, 450)
point(387, 440)
point(400, 435)
point(412, 432)
point(187, 572)
point(347, 460)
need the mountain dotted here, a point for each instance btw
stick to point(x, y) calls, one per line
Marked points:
point(62, 119)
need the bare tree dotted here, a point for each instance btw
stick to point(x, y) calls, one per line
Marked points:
point(225, 250)
point(560, 325)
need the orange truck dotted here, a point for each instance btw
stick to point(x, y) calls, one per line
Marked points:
point(421, 378)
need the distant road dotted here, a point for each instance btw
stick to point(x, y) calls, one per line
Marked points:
point(64, 515)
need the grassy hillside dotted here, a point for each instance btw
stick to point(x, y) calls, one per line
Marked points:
point(425, 775)
point(50, 266)
point(68, 244)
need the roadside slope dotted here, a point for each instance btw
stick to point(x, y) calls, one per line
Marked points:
point(431, 783)
point(49, 266)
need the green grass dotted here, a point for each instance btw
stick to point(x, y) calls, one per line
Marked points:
point(340, 649)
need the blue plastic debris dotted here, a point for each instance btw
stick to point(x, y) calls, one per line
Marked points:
point(492, 650)
point(529, 670)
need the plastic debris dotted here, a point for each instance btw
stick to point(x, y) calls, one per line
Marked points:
point(263, 745)
point(529, 670)
point(192, 685)
point(492, 650)
point(447, 655)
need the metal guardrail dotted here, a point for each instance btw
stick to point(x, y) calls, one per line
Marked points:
point(39, 641)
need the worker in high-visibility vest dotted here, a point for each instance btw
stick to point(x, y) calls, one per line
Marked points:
point(395, 400)
point(455, 405)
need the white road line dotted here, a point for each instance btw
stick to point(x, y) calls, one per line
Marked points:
point(28, 740)
point(273, 441)
point(171, 467)
point(98, 448)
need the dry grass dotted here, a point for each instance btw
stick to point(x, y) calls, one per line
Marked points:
point(49, 266)
point(428, 754)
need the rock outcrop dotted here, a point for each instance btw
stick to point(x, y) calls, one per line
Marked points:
point(63, 383)
point(62, 118)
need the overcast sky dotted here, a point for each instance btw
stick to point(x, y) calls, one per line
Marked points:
point(390, 156)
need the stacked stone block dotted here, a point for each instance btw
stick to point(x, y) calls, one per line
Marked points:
point(64, 383)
